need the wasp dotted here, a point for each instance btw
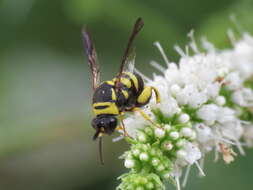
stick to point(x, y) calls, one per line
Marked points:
point(126, 92)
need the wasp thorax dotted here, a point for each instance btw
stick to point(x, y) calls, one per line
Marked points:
point(104, 124)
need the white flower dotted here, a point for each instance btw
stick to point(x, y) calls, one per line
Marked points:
point(220, 100)
point(232, 130)
point(208, 112)
point(243, 97)
point(225, 115)
point(204, 133)
point(233, 80)
point(183, 118)
point(212, 112)
point(133, 123)
point(190, 153)
point(196, 116)
point(248, 135)
point(129, 163)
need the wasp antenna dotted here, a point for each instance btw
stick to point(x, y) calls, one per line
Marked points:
point(96, 135)
point(100, 151)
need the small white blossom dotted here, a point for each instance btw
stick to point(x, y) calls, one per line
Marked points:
point(159, 133)
point(129, 163)
point(174, 135)
point(192, 153)
point(167, 127)
point(155, 162)
point(187, 132)
point(183, 118)
point(143, 156)
point(220, 100)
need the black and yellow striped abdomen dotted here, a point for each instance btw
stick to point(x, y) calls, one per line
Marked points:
point(130, 94)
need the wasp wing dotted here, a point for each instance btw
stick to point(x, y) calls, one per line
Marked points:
point(130, 62)
point(125, 59)
point(92, 58)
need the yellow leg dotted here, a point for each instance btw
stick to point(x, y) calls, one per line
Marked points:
point(121, 118)
point(145, 116)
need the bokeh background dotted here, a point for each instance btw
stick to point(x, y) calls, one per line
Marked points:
point(45, 92)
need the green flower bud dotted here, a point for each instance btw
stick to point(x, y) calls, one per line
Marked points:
point(142, 137)
point(149, 131)
point(159, 133)
point(144, 156)
point(155, 162)
point(174, 135)
point(167, 146)
point(136, 152)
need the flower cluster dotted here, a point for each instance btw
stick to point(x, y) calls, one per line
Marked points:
point(206, 104)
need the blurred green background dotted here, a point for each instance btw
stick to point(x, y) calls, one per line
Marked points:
point(45, 93)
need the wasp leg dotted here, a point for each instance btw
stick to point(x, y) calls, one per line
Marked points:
point(122, 126)
point(145, 116)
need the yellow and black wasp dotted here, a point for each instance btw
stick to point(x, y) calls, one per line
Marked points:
point(126, 92)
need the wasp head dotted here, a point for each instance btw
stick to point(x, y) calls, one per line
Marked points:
point(104, 124)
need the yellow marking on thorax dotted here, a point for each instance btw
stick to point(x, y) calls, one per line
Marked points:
point(125, 93)
point(134, 78)
point(110, 108)
point(110, 82)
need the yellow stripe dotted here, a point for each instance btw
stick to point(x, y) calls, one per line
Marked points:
point(111, 109)
point(110, 82)
point(125, 81)
point(135, 80)
point(125, 93)
point(145, 95)
point(113, 94)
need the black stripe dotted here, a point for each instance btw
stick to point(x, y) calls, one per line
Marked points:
point(140, 83)
point(100, 107)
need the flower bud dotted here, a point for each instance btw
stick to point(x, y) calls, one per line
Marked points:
point(167, 145)
point(155, 162)
point(143, 180)
point(187, 132)
point(160, 167)
point(136, 152)
point(129, 163)
point(180, 143)
point(167, 127)
point(143, 156)
point(160, 133)
point(139, 188)
point(150, 185)
point(183, 118)
point(148, 131)
point(220, 100)
point(174, 135)
point(142, 137)
point(145, 147)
